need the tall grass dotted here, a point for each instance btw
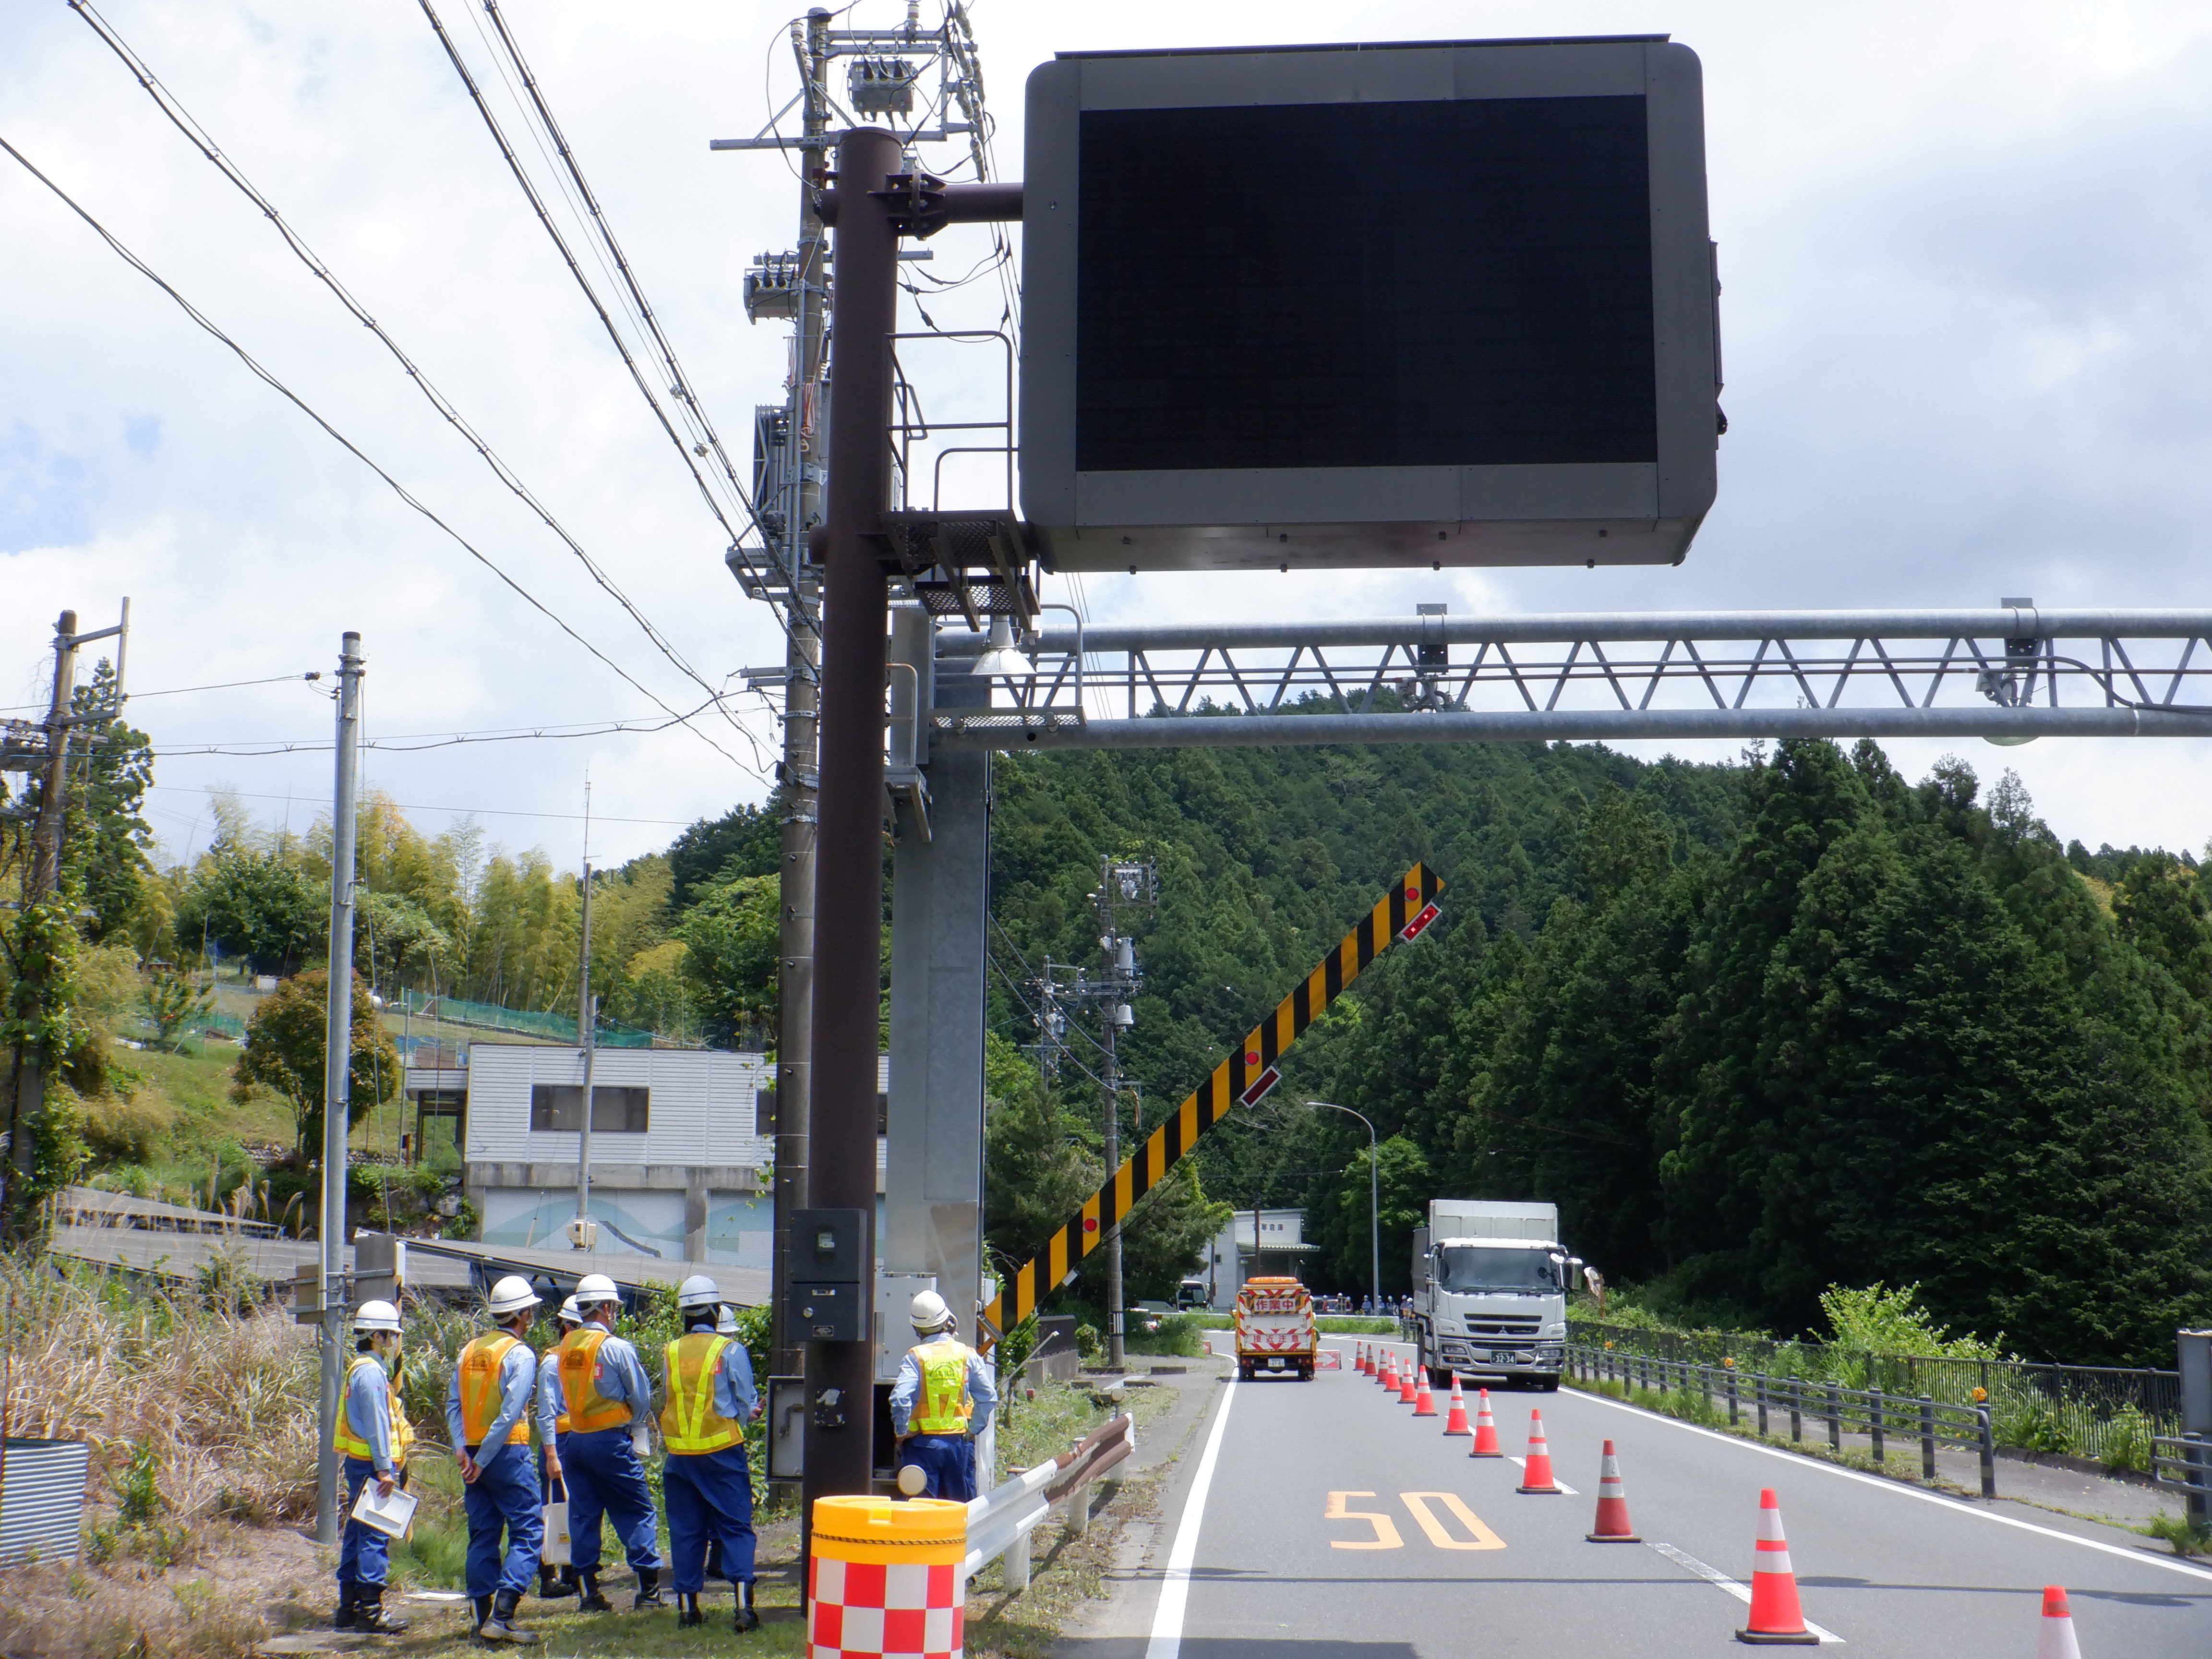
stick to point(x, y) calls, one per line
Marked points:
point(219, 1404)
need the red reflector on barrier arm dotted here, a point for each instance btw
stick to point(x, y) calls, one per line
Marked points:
point(1091, 1224)
point(1413, 930)
point(1266, 1080)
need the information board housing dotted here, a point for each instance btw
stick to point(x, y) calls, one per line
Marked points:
point(1396, 305)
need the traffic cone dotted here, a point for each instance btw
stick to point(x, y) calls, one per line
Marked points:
point(1424, 1403)
point(2057, 1640)
point(1366, 1361)
point(1406, 1394)
point(1457, 1422)
point(1486, 1428)
point(1775, 1617)
point(1536, 1472)
point(1388, 1374)
point(1612, 1525)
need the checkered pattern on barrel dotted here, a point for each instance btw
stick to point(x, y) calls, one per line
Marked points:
point(864, 1610)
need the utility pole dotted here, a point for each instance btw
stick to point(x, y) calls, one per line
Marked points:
point(1132, 883)
point(802, 690)
point(338, 1090)
point(581, 1234)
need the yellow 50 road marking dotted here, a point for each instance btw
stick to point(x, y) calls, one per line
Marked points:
point(1387, 1536)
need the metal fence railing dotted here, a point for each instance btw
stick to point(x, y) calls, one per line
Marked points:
point(1879, 1414)
point(2106, 1413)
point(1000, 1521)
point(491, 1017)
point(2183, 1462)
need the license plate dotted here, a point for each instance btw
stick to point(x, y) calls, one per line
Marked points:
point(1274, 1365)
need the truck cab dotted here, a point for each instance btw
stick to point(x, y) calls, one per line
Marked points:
point(1491, 1293)
point(1274, 1329)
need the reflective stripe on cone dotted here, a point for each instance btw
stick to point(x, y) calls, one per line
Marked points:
point(1775, 1615)
point(1457, 1422)
point(1486, 1428)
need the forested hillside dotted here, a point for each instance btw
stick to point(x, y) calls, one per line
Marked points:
point(1756, 1029)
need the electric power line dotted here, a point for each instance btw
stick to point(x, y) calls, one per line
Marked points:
point(351, 449)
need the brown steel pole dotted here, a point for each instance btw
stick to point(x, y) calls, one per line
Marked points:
point(848, 891)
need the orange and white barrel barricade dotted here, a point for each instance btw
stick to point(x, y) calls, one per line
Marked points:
point(884, 1578)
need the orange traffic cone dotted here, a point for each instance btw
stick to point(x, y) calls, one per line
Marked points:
point(1775, 1617)
point(1366, 1360)
point(1424, 1403)
point(2057, 1640)
point(1536, 1472)
point(1612, 1525)
point(1457, 1422)
point(1486, 1428)
point(1406, 1394)
point(1387, 1376)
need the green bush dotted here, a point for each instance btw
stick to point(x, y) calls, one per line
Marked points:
point(1178, 1334)
point(2124, 1443)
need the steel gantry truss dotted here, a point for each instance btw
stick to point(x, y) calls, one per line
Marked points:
point(2012, 673)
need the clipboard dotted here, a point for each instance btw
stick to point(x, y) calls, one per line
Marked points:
point(393, 1516)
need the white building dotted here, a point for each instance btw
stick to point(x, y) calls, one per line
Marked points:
point(683, 1147)
point(1256, 1244)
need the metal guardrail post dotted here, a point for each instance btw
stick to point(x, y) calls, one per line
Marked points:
point(1796, 1408)
point(1927, 1437)
point(1835, 1418)
point(1735, 1402)
point(1014, 1564)
point(1760, 1380)
point(1874, 1420)
point(2198, 1500)
point(1987, 1435)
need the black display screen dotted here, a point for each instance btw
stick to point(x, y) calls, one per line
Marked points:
point(1449, 283)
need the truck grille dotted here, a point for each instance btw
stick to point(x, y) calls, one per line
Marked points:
point(1521, 1328)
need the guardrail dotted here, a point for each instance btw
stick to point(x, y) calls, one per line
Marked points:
point(1877, 1411)
point(999, 1523)
point(2188, 1471)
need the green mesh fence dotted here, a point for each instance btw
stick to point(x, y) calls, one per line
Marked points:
point(489, 1016)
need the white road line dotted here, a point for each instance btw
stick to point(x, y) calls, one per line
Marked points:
point(1522, 1464)
point(1174, 1584)
point(1953, 1506)
point(1714, 1575)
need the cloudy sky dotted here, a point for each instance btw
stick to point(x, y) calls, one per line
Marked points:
point(1968, 323)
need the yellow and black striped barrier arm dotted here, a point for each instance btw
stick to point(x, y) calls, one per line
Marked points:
point(1242, 1080)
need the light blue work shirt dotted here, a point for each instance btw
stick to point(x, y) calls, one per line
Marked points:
point(552, 1398)
point(368, 1408)
point(520, 1391)
point(982, 1391)
point(618, 1374)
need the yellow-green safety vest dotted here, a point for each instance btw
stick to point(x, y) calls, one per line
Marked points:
point(944, 1406)
point(349, 1444)
point(479, 1366)
point(689, 1425)
point(589, 1411)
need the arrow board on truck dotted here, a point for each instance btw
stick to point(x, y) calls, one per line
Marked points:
point(1244, 1078)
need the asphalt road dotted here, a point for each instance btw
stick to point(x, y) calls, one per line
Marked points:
point(1333, 1521)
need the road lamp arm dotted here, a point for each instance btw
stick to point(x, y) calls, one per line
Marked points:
point(1373, 1199)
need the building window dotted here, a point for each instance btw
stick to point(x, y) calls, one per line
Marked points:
point(617, 1109)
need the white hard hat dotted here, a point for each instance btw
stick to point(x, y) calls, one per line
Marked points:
point(595, 1288)
point(512, 1295)
point(929, 1312)
point(570, 1313)
point(698, 1291)
point(727, 1324)
point(375, 1317)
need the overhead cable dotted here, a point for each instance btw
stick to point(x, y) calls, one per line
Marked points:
point(204, 143)
point(351, 449)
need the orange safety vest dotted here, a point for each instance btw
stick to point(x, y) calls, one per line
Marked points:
point(479, 1366)
point(588, 1410)
point(552, 1357)
point(689, 1425)
point(944, 1406)
point(349, 1444)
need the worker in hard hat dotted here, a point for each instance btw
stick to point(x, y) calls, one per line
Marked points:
point(943, 1399)
point(494, 1392)
point(727, 1325)
point(609, 1401)
point(554, 1581)
point(372, 1436)
point(706, 1479)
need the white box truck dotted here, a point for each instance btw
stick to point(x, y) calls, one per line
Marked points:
point(1490, 1292)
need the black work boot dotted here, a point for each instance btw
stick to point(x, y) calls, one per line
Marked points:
point(690, 1617)
point(747, 1618)
point(549, 1581)
point(649, 1589)
point(368, 1613)
point(500, 1626)
point(348, 1597)
point(590, 1600)
point(482, 1607)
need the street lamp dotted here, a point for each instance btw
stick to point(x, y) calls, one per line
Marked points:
point(1374, 1200)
